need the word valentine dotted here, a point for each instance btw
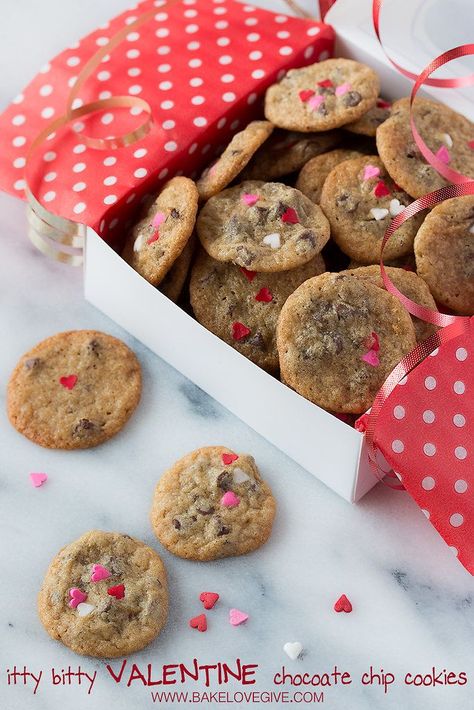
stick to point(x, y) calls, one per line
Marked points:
point(63, 676)
point(127, 673)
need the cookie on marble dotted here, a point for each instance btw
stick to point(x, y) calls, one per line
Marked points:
point(444, 252)
point(367, 124)
point(104, 595)
point(287, 151)
point(338, 338)
point(312, 176)
point(234, 158)
point(407, 283)
point(173, 283)
point(242, 307)
point(322, 96)
point(360, 198)
point(74, 390)
point(446, 133)
point(160, 236)
point(212, 503)
point(262, 226)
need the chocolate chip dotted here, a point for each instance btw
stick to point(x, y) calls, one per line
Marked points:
point(176, 523)
point(262, 214)
point(281, 208)
point(84, 427)
point(257, 341)
point(245, 257)
point(347, 201)
point(93, 347)
point(204, 507)
point(338, 343)
point(235, 152)
point(175, 214)
point(32, 363)
point(323, 110)
point(221, 528)
point(224, 481)
point(305, 242)
point(352, 98)
point(329, 90)
point(344, 310)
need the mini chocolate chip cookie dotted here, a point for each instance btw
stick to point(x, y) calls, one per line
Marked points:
point(312, 175)
point(262, 226)
point(448, 135)
point(104, 595)
point(173, 283)
point(212, 503)
point(234, 159)
point(444, 251)
point(242, 307)
point(367, 124)
point(338, 338)
point(74, 390)
point(322, 96)
point(157, 240)
point(407, 283)
point(287, 151)
point(359, 198)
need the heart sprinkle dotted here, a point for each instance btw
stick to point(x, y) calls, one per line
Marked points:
point(154, 237)
point(264, 295)
point(249, 199)
point(237, 617)
point(306, 94)
point(69, 381)
point(395, 207)
point(443, 155)
point(342, 89)
point(293, 649)
point(229, 458)
point(99, 573)
point(471, 144)
point(381, 190)
point(371, 171)
point(316, 101)
point(372, 342)
point(37, 479)
point(371, 358)
point(118, 591)
point(447, 140)
point(272, 240)
point(85, 609)
point(239, 331)
point(325, 83)
point(290, 216)
point(199, 622)
point(378, 213)
point(139, 242)
point(343, 604)
point(230, 500)
point(239, 476)
point(209, 599)
point(77, 596)
point(158, 219)
point(249, 275)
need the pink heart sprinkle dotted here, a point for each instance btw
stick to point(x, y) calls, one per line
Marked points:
point(342, 89)
point(371, 358)
point(371, 171)
point(316, 101)
point(237, 617)
point(158, 219)
point(99, 573)
point(443, 155)
point(230, 500)
point(77, 597)
point(37, 479)
point(250, 199)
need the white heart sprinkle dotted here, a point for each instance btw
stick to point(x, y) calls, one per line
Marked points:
point(273, 240)
point(139, 242)
point(395, 207)
point(471, 228)
point(239, 476)
point(85, 609)
point(447, 140)
point(293, 649)
point(378, 212)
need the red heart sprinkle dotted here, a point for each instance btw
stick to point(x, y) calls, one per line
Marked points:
point(372, 342)
point(239, 331)
point(306, 94)
point(290, 215)
point(199, 622)
point(471, 144)
point(343, 604)
point(118, 591)
point(264, 295)
point(229, 458)
point(249, 275)
point(154, 237)
point(383, 104)
point(209, 599)
point(381, 190)
point(69, 382)
point(326, 83)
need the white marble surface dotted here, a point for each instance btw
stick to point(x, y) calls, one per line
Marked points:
point(412, 600)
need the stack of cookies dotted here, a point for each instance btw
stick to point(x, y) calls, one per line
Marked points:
point(290, 220)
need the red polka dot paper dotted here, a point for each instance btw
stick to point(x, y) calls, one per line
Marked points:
point(425, 431)
point(202, 66)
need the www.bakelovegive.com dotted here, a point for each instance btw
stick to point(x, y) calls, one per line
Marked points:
point(212, 675)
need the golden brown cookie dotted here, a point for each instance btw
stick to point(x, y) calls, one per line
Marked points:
point(74, 390)
point(212, 503)
point(367, 124)
point(313, 175)
point(104, 595)
point(173, 283)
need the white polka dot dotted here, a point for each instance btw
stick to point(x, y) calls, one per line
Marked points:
point(223, 41)
point(308, 52)
point(102, 41)
point(78, 126)
point(135, 89)
point(18, 99)
point(252, 98)
point(167, 105)
point(79, 207)
point(130, 198)
point(79, 167)
point(110, 180)
point(71, 81)
point(136, 110)
point(171, 146)
point(434, 352)
point(220, 11)
point(47, 112)
point(460, 453)
point(221, 25)
point(430, 383)
point(398, 446)
point(107, 118)
point(404, 380)
point(19, 185)
point(161, 16)
point(49, 156)
point(110, 160)
point(225, 59)
point(253, 37)
point(456, 520)
point(461, 354)
point(429, 449)
point(165, 85)
point(428, 483)
point(164, 49)
point(163, 173)
point(194, 63)
point(45, 68)
point(459, 387)
point(50, 136)
point(19, 162)
point(105, 58)
point(255, 55)
point(46, 90)
point(206, 149)
point(79, 186)
point(313, 31)
point(191, 29)
point(200, 121)
point(103, 75)
point(140, 172)
point(18, 141)
point(164, 68)
point(227, 78)
point(228, 97)
point(285, 51)
point(162, 32)
point(428, 416)
point(234, 125)
point(283, 34)
point(399, 412)
point(73, 61)
point(49, 196)
point(168, 125)
point(197, 100)
point(134, 71)
point(132, 36)
point(77, 103)
point(190, 13)
point(79, 148)
point(49, 177)
point(196, 81)
point(133, 53)
point(460, 486)
point(459, 420)
point(110, 199)
point(192, 148)
point(101, 225)
point(281, 19)
point(221, 122)
point(140, 152)
point(258, 74)
point(18, 120)
point(323, 55)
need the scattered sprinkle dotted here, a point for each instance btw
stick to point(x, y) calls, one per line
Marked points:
point(249, 275)
point(118, 591)
point(443, 155)
point(199, 622)
point(228, 458)
point(272, 240)
point(154, 237)
point(306, 94)
point(68, 381)
point(139, 242)
point(99, 573)
point(325, 83)
point(447, 140)
point(361, 423)
point(239, 476)
point(77, 596)
point(37, 479)
point(471, 144)
point(372, 342)
point(316, 101)
point(239, 331)
point(343, 89)
point(249, 198)
point(395, 207)
point(230, 500)
point(371, 171)
point(158, 219)
point(290, 216)
point(209, 599)
point(237, 617)
point(371, 358)
point(378, 213)
point(381, 190)
point(381, 103)
point(85, 609)
point(264, 295)
point(343, 604)
point(293, 649)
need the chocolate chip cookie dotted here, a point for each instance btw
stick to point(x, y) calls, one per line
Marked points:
point(338, 338)
point(360, 198)
point(444, 252)
point(212, 503)
point(446, 133)
point(322, 96)
point(262, 226)
point(242, 307)
point(174, 281)
point(313, 175)
point(157, 240)
point(104, 595)
point(74, 390)
point(234, 159)
point(367, 124)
